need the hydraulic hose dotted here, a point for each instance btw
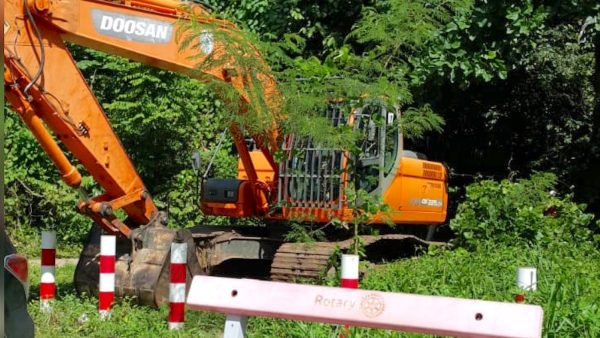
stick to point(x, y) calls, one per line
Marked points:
point(38, 74)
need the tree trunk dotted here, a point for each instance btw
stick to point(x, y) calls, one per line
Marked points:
point(596, 84)
point(594, 167)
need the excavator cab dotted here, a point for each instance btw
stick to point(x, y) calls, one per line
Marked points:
point(380, 144)
point(312, 183)
point(414, 188)
point(312, 179)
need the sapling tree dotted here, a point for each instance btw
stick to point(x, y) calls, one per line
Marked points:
point(365, 207)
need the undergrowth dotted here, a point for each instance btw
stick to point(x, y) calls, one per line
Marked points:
point(501, 226)
point(568, 291)
point(27, 241)
point(523, 212)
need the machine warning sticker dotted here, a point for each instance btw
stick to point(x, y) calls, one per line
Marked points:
point(6, 27)
point(131, 28)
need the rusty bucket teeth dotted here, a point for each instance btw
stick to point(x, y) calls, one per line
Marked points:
point(142, 265)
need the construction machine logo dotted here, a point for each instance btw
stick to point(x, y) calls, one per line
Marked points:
point(6, 27)
point(335, 303)
point(132, 28)
point(372, 305)
point(426, 202)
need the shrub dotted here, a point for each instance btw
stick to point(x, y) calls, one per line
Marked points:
point(527, 211)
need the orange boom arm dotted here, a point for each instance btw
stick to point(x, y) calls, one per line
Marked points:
point(45, 87)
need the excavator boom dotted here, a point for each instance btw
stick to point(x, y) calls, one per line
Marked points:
point(44, 85)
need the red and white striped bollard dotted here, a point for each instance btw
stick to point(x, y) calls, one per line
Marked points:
point(526, 281)
point(48, 271)
point(106, 294)
point(177, 286)
point(350, 271)
point(349, 280)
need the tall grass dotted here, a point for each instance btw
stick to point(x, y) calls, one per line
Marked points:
point(568, 290)
point(568, 287)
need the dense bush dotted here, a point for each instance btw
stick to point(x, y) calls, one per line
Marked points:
point(524, 211)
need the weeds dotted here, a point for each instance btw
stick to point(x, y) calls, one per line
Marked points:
point(568, 290)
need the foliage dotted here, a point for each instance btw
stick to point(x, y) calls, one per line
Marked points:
point(483, 43)
point(539, 118)
point(381, 47)
point(247, 90)
point(161, 119)
point(522, 212)
point(34, 196)
point(75, 316)
point(160, 116)
point(568, 291)
point(323, 24)
point(365, 207)
point(306, 82)
point(491, 38)
point(305, 232)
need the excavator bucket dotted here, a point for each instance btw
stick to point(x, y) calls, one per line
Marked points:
point(142, 264)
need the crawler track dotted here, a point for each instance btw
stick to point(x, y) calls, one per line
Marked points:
point(300, 261)
point(295, 261)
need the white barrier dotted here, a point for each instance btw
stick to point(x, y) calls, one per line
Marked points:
point(47, 292)
point(383, 310)
point(349, 279)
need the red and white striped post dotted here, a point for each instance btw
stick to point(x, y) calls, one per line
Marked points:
point(106, 293)
point(47, 285)
point(177, 286)
point(349, 279)
point(526, 281)
point(350, 271)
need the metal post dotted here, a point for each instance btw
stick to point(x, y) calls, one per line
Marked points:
point(177, 286)
point(48, 279)
point(106, 293)
point(350, 264)
point(235, 326)
point(526, 281)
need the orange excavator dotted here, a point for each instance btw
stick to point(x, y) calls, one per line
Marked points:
point(44, 86)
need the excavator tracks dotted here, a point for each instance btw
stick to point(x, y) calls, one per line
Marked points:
point(295, 261)
point(142, 266)
point(311, 261)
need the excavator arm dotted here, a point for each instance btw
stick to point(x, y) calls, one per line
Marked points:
point(45, 87)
